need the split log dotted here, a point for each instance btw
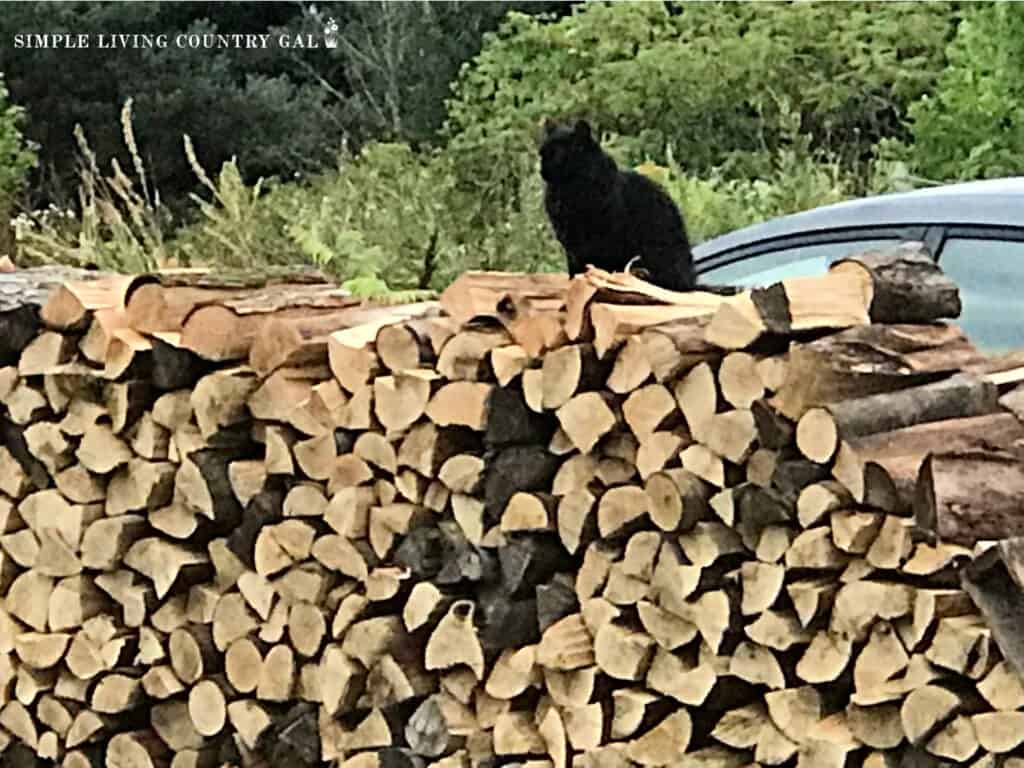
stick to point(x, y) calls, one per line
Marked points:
point(24, 293)
point(649, 409)
point(508, 362)
point(461, 403)
point(302, 339)
point(697, 396)
point(677, 499)
point(160, 302)
point(740, 383)
point(568, 371)
point(630, 369)
point(926, 710)
point(833, 300)
point(464, 356)
point(586, 418)
point(70, 305)
point(615, 323)
point(673, 348)
point(46, 353)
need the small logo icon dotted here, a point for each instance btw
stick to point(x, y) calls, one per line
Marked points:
point(331, 33)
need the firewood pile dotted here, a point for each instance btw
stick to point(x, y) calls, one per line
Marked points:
point(248, 520)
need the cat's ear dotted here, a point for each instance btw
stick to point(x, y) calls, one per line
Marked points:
point(548, 126)
point(582, 129)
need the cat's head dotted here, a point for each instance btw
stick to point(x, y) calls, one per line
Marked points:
point(567, 150)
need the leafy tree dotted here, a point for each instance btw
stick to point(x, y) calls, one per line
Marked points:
point(973, 124)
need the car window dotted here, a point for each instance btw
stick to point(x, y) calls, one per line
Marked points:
point(797, 261)
point(990, 275)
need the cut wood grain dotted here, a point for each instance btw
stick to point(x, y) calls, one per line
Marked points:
point(301, 339)
point(614, 323)
point(69, 306)
point(478, 294)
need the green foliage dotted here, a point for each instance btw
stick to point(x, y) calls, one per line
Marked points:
point(391, 69)
point(973, 124)
point(233, 230)
point(760, 109)
point(17, 158)
point(719, 82)
point(373, 222)
point(277, 110)
point(715, 205)
point(743, 111)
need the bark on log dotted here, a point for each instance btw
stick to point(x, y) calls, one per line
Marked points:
point(511, 422)
point(301, 340)
point(175, 367)
point(900, 452)
point(957, 397)
point(225, 329)
point(797, 304)
point(994, 582)
point(869, 360)
point(970, 496)
point(160, 302)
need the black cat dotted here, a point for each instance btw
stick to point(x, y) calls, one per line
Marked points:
point(608, 217)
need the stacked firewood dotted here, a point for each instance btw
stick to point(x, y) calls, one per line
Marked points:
point(251, 521)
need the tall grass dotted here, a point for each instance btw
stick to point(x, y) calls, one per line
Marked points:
point(120, 225)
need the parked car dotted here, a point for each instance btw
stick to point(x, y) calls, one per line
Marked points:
point(975, 230)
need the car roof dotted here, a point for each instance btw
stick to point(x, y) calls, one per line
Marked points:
point(994, 202)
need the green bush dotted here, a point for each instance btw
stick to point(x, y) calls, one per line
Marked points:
point(759, 109)
point(374, 221)
point(387, 219)
point(725, 84)
point(972, 126)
